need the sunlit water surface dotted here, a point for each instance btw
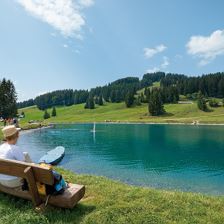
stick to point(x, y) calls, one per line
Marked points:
point(180, 157)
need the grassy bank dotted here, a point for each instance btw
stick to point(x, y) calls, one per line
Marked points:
point(176, 113)
point(107, 201)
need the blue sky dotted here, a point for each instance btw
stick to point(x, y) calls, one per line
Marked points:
point(56, 44)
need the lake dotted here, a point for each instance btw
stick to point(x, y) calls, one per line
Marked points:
point(176, 157)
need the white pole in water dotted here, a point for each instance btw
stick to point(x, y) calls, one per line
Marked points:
point(94, 131)
point(94, 127)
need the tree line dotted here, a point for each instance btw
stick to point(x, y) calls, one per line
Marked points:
point(114, 92)
point(210, 85)
point(125, 90)
point(65, 97)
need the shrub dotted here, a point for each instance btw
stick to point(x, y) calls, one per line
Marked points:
point(213, 103)
point(46, 115)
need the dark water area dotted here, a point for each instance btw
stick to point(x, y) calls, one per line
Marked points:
point(176, 157)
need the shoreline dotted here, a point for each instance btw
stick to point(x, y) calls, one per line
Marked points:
point(51, 125)
point(149, 123)
point(27, 130)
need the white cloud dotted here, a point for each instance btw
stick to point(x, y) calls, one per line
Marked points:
point(163, 66)
point(165, 62)
point(65, 46)
point(63, 15)
point(86, 3)
point(153, 70)
point(150, 52)
point(207, 48)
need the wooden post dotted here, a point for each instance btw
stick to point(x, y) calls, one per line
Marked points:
point(32, 186)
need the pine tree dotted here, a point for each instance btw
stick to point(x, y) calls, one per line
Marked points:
point(46, 115)
point(155, 106)
point(129, 99)
point(8, 99)
point(147, 94)
point(87, 104)
point(201, 102)
point(118, 96)
point(91, 103)
point(100, 100)
point(113, 96)
point(54, 113)
point(97, 100)
point(142, 98)
point(138, 101)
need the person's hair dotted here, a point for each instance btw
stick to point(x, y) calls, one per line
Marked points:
point(12, 137)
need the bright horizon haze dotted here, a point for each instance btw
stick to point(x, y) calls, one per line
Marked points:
point(47, 45)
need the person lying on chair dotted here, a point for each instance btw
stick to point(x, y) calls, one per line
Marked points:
point(9, 150)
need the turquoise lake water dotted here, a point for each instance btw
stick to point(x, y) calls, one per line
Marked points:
point(176, 157)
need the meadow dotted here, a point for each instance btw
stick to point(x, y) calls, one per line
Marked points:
point(109, 201)
point(117, 112)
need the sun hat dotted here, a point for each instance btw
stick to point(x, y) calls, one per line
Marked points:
point(10, 130)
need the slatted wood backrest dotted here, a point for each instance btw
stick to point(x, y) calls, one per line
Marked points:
point(17, 168)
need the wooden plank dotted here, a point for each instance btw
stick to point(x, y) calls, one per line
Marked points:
point(18, 192)
point(32, 186)
point(16, 168)
point(68, 199)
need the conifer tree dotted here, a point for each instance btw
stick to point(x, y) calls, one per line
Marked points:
point(100, 100)
point(113, 96)
point(54, 113)
point(155, 106)
point(142, 98)
point(147, 94)
point(96, 100)
point(138, 101)
point(8, 99)
point(129, 99)
point(91, 103)
point(46, 115)
point(201, 102)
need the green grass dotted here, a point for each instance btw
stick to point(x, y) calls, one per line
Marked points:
point(155, 84)
point(108, 201)
point(117, 112)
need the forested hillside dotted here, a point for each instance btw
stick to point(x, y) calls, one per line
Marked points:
point(125, 89)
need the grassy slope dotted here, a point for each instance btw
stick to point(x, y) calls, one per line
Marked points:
point(184, 113)
point(155, 84)
point(108, 201)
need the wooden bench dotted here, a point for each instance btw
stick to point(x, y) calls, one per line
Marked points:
point(34, 173)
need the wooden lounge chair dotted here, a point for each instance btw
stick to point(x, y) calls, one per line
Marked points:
point(34, 173)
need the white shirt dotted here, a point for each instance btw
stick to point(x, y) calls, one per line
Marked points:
point(8, 151)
